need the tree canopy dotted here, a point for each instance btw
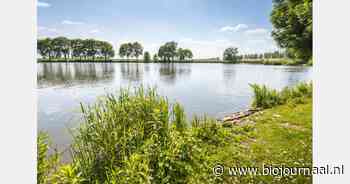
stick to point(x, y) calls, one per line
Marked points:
point(147, 57)
point(230, 54)
point(74, 48)
point(184, 54)
point(170, 51)
point(167, 52)
point(130, 50)
point(292, 20)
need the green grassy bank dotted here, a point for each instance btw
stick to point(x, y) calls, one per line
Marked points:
point(139, 137)
point(102, 60)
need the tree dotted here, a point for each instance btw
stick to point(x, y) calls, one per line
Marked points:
point(155, 58)
point(106, 50)
point(292, 20)
point(56, 45)
point(123, 50)
point(62, 46)
point(130, 50)
point(44, 47)
point(168, 51)
point(77, 46)
point(184, 53)
point(147, 57)
point(91, 48)
point(137, 49)
point(230, 54)
point(65, 46)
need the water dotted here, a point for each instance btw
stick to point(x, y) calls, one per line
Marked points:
point(212, 89)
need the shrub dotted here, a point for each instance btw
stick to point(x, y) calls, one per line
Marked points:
point(138, 137)
point(46, 164)
point(265, 97)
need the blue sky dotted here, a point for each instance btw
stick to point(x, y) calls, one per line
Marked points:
point(207, 27)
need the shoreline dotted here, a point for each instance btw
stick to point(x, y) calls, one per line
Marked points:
point(258, 62)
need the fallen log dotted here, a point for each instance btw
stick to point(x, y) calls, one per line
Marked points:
point(237, 116)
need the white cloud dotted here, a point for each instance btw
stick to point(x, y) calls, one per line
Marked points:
point(95, 31)
point(234, 28)
point(257, 32)
point(69, 22)
point(47, 29)
point(43, 4)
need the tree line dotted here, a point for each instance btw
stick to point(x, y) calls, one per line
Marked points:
point(231, 55)
point(62, 47)
point(266, 55)
point(170, 52)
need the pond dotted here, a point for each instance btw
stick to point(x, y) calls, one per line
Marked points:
point(212, 89)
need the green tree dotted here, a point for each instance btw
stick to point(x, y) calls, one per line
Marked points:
point(91, 48)
point(155, 58)
point(168, 51)
point(44, 47)
point(147, 57)
point(77, 46)
point(65, 46)
point(137, 49)
point(123, 50)
point(292, 20)
point(230, 54)
point(106, 50)
point(184, 54)
point(57, 47)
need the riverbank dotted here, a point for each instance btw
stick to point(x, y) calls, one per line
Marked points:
point(251, 61)
point(135, 137)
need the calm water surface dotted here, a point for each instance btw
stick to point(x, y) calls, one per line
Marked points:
point(212, 89)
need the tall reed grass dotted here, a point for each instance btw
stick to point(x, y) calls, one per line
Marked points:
point(265, 97)
point(139, 137)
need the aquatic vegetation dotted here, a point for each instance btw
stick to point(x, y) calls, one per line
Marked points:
point(265, 97)
point(46, 164)
point(139, 137)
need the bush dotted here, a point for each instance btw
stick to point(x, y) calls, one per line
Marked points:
point(138, 137)
point(46, 164)
point(265, 97)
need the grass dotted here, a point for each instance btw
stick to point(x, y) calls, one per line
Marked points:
point(265, 97)
point(278, 61)
point(139, 137)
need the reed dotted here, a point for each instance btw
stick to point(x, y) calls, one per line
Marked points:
point(265, 97)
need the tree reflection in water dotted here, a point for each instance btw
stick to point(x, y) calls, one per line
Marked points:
point(71, 74)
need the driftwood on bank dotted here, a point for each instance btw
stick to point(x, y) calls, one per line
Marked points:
point(236, 117)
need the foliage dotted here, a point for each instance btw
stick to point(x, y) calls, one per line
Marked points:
point(46, 164)
point(139, 137)
point(76, 48)
point(230, 54)
point(130, 50)
point(67, 174)
point(292, 20)
point(168, 51)
point(155, 58)
point(265, 97)
point(183, 54)
point(147, 57)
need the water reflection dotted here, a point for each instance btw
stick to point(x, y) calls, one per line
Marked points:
point(212, 89)
point(131, 72)
point(170, 72)
point(229, 76)
point(292, 74)
point(70, 74)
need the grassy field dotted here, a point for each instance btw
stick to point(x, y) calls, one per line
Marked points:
point(139, 137)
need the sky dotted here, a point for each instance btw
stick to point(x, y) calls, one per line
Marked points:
point(206, 27)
